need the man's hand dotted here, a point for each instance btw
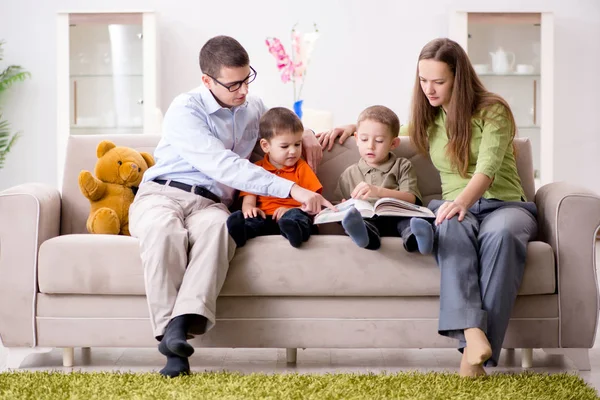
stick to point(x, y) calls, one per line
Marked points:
point(312, 149)
point(252, 212)
point(448, 210)
point(279, 213)
point(311, 201)
point(364, 191)
point(327, 139)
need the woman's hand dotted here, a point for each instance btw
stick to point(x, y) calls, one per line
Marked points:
point(448, 210)
point(312, 149)
point(327, 139)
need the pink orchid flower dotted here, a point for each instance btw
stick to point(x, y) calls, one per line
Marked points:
point(293, 69)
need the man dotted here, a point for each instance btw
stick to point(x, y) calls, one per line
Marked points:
point(180, 211)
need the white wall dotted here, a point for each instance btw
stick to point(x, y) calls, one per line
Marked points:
point(366, 54)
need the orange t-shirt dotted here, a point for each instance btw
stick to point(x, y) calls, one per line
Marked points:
point(300, 173)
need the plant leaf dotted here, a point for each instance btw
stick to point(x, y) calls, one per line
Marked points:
point(12, 74)
point(7, 140)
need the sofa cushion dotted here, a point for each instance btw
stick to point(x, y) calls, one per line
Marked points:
point(327, 265)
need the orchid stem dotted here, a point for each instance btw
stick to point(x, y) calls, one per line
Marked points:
point(293, 60)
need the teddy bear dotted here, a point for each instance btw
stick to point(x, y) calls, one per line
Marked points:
point(118, 173)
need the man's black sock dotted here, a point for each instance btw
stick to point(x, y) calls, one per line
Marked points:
point(175, 337)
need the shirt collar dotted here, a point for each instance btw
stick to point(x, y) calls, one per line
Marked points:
point(212, 105)
point(385, 167)
point(271, 168)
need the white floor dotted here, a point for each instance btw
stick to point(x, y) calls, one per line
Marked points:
point(309, 360)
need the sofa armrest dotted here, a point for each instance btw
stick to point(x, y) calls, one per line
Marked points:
point(29, 215)
point(569, 217)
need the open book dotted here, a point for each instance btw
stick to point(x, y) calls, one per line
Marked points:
point(385, 206)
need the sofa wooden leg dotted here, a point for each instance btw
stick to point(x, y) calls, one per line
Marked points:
point(68, 356)
point(16, 355)
point(290, 355)
point(86, 355)
point(509, 356)
point(526, 358)
point(580, 357)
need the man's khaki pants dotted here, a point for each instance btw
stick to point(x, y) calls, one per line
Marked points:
point(185, 250)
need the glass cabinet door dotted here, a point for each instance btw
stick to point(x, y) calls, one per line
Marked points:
point(505, 53)
point(106, 78)
point(513, 54)
point(106, 75)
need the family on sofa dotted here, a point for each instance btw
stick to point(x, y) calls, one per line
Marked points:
point(188, 237)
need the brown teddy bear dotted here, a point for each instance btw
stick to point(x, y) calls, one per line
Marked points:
point(118, 172)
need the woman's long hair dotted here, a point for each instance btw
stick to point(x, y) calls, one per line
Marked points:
point(469, 98)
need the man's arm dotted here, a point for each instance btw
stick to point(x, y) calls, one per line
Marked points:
point(186, 130)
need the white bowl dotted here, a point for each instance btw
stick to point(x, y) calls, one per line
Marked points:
point(524, 69)
point(481, 68)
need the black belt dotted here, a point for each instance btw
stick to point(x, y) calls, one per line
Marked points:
point(199, 190)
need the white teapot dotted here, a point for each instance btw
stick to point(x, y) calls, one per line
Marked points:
point(500, 63)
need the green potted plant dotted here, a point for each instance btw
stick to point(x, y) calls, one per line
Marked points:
point(10, 75)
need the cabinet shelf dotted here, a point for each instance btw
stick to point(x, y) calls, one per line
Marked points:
point(511, 74)
point(528, 127)
point(104, 75)
point(80, 127)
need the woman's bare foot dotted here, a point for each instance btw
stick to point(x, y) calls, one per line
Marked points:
point(479, 346)
point(470, 371)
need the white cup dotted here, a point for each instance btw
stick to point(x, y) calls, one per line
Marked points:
point(481, 68)
point(525, 69)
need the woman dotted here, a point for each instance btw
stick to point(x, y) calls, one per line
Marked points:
point(483, 223)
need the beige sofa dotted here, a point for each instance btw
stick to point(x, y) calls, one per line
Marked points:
point(63, 288)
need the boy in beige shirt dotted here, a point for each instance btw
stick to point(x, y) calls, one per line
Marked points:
point(380, 173)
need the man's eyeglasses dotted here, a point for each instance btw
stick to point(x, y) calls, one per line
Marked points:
point(232, 87)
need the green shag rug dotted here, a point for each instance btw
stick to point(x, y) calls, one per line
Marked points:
point(226, 385)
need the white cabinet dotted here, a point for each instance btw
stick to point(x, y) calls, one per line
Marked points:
point(107, 79)
point(513, 54)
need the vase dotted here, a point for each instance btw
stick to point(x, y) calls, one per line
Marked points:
point(298, 108)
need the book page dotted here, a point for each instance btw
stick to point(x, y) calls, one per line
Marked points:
point(359, 204)
point(396, 203)
point(364, 207)
point(388, 206)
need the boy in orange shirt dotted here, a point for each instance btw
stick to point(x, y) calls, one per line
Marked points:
point(280, 131)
